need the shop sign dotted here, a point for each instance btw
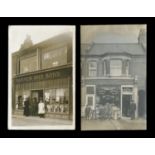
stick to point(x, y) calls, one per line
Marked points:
point(44, 76)
point(104, 90)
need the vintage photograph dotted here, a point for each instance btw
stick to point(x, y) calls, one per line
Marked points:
point(41, 77)
point(113, 77)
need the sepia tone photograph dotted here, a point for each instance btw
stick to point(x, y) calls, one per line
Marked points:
point(113, 77)
point(41, 77)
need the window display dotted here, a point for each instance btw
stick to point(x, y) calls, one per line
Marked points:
point(57, 100)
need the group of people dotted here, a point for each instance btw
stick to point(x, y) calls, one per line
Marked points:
point(109, 111)
point(35, 108)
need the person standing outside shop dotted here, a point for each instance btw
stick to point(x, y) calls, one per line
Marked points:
point(34, 107)
point(88, 111)
point(41, 109)
point(132, 110)
point(26, 107)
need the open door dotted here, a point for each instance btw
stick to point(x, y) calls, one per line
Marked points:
point(126, 105)
point(90, 100)
point(38, 94)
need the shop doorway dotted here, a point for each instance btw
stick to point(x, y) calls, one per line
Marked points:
point(126, 99)
point(37, 94)
point(90, 100)
point(142, 103)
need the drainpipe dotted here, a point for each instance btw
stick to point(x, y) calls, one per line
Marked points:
point(135, 94)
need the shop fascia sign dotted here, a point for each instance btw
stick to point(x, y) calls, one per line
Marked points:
point(43, 76)
point(107, 90)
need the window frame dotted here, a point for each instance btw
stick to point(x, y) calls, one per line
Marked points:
point(92, 71)
point(116, 59)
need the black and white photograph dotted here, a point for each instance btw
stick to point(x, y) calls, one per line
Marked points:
point(41, 77)
point(113, 77)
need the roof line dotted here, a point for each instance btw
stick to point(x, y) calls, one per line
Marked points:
point(107, 43)
point(46, 40)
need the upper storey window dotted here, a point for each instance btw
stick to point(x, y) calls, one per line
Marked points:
point(56, 57)
point(92, 68)
point(28, 64)
point(115, 67)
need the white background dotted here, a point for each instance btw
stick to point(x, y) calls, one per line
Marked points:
point(77, 146)
point(74, 8)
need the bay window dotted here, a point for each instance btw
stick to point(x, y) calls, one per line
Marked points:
point(115, 67)
point(92, 67)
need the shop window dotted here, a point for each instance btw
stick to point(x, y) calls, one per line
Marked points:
point(19, 103)
point(56, 57)
point(28, 64)
point(90, 90)
point(92, 67)
point(115, 67)
point(127, 89)
point(20, 99)
point(57, 100)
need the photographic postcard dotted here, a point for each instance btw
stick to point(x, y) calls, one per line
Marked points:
point(113, 77)
point(41, 77)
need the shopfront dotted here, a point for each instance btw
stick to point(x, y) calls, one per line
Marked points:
point(54, 87)
point(118, 95)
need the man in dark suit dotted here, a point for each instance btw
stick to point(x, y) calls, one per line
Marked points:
point(132, 110)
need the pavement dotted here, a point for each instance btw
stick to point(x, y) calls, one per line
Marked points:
point(20, 120)
point(122, 124)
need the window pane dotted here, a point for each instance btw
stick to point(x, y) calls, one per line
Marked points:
point(92, 65)
point(115, 67)
point(92, 73)
point(58, 100)
point(28, 64)
point(92, 69)
point(90, 90)
point(56, 57)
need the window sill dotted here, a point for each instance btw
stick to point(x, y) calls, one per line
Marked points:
point(110, 77)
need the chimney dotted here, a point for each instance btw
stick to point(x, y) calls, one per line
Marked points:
point(27, 43)
point(142, 38)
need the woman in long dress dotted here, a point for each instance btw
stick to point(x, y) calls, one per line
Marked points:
point(41, 109)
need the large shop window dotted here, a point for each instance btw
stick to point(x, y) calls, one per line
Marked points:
point(20, 98)
point(92, 68)
point(57, 100)
point(115, 67)
point(56, 57)
point(28, 64)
